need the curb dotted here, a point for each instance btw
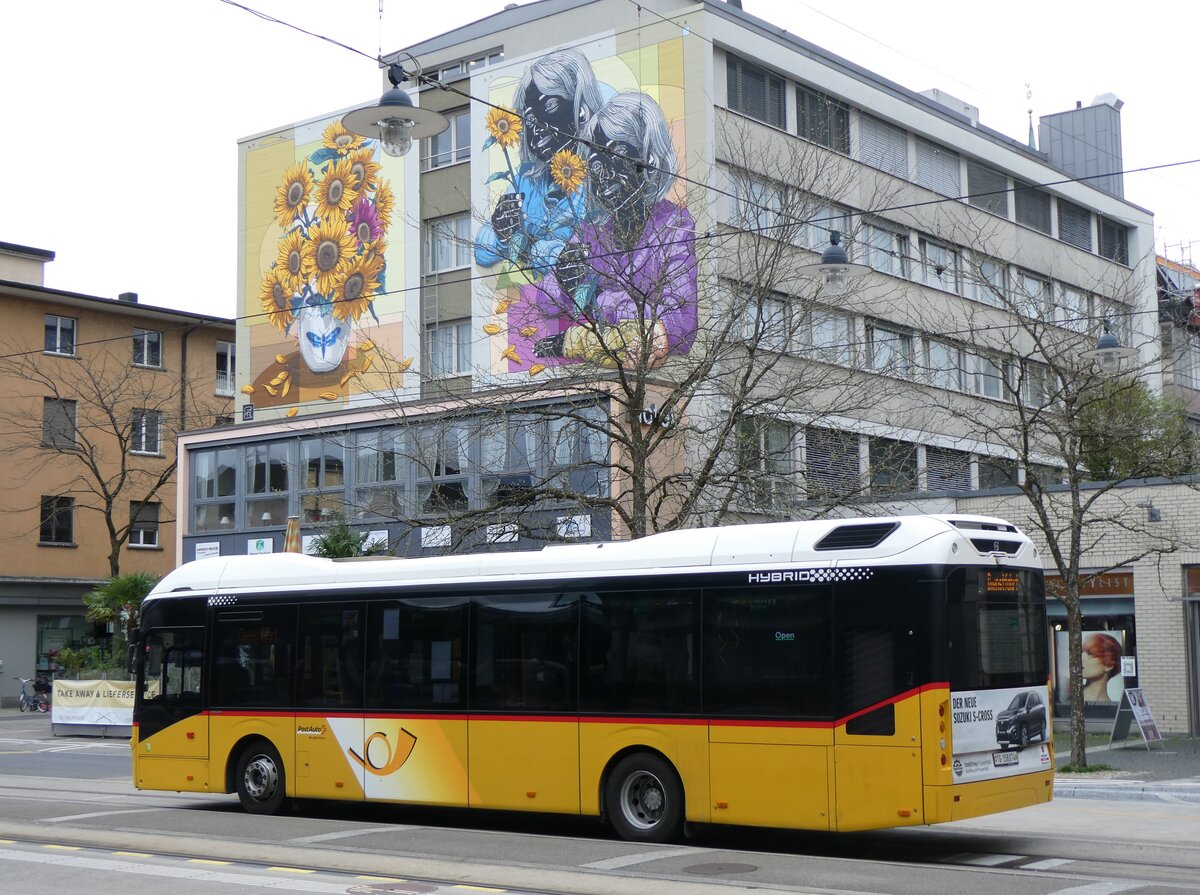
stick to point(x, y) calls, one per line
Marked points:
point(1133, 791)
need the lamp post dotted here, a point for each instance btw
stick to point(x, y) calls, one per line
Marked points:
point(394, 121)
point(1109, 353)
point(835, 266)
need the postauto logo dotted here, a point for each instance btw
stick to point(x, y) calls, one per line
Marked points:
point(811, 576)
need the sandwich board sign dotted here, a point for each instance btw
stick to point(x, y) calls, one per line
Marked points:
point(1134, 708)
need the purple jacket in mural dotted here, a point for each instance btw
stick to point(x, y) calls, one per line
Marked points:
point(661, 267)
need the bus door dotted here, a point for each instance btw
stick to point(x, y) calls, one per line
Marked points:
point(767, 684)
point(171, 742)
point(879, 639)
point(524, 723)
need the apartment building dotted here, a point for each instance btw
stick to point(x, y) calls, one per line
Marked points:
point(92, 394)
point(362, 385)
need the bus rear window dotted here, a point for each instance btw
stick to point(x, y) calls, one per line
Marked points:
point(997, 628)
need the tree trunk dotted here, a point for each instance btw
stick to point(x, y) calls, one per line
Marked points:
point(1075, 671)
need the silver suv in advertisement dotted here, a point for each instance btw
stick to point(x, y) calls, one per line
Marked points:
point(1023, 720)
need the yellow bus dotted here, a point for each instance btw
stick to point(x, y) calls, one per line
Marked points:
point(832, 675)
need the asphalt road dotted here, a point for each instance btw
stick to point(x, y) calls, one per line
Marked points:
point(71, 821)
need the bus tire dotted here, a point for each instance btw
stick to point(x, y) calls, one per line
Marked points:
point(644, 799)
point(260, 779)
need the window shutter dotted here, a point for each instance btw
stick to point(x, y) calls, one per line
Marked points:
point(1074, 225)
point(987, 189)
point(947, 470)
point(883, 146)
point(1033, 207)
point(832, 462)
point(938, 168)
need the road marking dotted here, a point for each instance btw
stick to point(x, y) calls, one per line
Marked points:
point(132, 854)
point(478, 888)
point(1047, 864)
point(208, 861)
point(66, 817)
point(290, 869)
point(63, 847)
point(980, 860)
point(170, 871)
point(639, 858)
point(1100, 888)
point(379, 879)
point(346, 834)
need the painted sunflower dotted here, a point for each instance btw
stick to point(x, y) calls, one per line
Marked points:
point(505, 125)
point(291, 262)
point(365, 169)
point(341, 140)
point(328, 249)
point(292, 195)
point(364, 221)
point(385, 200)
point(568, 171)
point(356, 290)
point(337, 190)
point(276, 300)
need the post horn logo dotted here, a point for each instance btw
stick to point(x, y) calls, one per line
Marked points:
point(394, 756)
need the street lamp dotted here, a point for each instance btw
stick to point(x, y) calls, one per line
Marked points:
point(394, 121)
point(1109, 352)
point(834, 267)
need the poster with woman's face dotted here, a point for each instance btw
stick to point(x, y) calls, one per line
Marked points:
point(1101, 678)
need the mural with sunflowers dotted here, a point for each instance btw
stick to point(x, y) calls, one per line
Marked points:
point(326, 319)
point(585, 222)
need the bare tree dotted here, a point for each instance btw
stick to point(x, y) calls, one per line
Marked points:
point(101, 431)
point(1067, 435)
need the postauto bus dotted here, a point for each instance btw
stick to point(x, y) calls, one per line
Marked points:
point(832, 675)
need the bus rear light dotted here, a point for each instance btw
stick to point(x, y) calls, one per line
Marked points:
point(531, 794)
point(338, 783)
point(191, 734)
point(722, 804)
point(905, 812)
point(943, 759)
point(942, 710)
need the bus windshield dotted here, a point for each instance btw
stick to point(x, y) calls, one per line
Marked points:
point(997, 628)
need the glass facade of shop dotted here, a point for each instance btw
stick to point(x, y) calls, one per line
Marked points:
point(397, 477)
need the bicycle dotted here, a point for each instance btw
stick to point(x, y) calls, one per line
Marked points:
point(36, 702)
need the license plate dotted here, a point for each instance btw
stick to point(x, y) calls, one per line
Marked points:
point(1002, 759)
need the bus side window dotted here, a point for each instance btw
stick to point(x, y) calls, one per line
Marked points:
point(869, 677)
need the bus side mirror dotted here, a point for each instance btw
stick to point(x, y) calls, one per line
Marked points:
point(131, 658)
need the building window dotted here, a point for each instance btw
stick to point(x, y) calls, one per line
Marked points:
point(889, 350)
point(579, 453)
point(765, 464)
point(1114, 241)
point(322, 461)
point(996, 472)
point(1032, 294)
point(1071, 308)
point(143, 523)
point(443, 464)
point(823, 120)
point(990, 283)
point(451, 145)
point(508, 447)
point(831, 463)
point(147, 348)
point(941, 265)
point(983, 375)
point(226, 375)
point(214, 487)
point(822, 219)
point(882, 145)
point(1187, 362)
point(754, 91)
point(449, 349)
point(267, 480)
point(381, 470)
point(884, 248)
point(1035, 382)
point(1074, 225)
point(947, 470)
point(987, 188)
point(58, 423)
point(60, 335)
point(756, 204)
point(893, 466)
point(1033, 206)
point(448, 243)
point(145, 436)
point(938, 168)
point(764, 319)
point(943, 364)
point(828, 335)
point(57, 520)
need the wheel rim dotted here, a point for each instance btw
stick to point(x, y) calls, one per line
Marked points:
point(643, 800)
point(261, 778)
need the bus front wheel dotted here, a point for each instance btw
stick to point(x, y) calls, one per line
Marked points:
point(644, 799)
point(260, 782)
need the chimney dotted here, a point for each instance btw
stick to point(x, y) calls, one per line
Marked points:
point(130, 297)
point(1086, 142)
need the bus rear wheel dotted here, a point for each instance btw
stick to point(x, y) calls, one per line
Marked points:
point(644, 799)
point(260, 780)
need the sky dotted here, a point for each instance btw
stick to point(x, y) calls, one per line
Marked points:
point(121, 118)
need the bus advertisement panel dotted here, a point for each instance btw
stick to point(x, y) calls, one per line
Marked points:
point(999, 733)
